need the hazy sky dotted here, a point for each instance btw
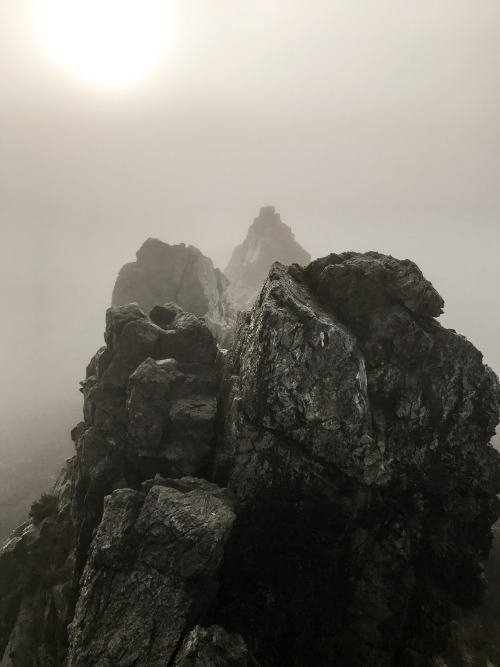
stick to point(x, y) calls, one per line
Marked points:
point(369, 125)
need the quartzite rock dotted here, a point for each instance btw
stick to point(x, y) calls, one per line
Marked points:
point(171, 408)
point(140, 391)
point(268, 240)
point(149, 407)
point(36, 569)
point(151, 573)
point(355, 433)
point(179, 274)
point(352, 431)
point(213, 647)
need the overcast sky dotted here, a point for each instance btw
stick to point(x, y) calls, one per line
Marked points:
point(369, 125)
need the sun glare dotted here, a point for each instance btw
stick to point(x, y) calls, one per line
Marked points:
point(109, 42)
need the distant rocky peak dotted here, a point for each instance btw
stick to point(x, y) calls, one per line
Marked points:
point(268, 229)
point(155, 253)
point(176, 274)
point(266, 220)
point(268, 240)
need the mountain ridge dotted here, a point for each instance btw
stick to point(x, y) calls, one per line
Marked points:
point(322, 491)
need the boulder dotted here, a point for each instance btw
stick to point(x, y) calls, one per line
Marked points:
point(151, 572)
point(354, 431)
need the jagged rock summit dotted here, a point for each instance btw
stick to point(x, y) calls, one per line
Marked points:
point(355, 435)
point(180, 274)
point(320, 494)
point(268, 240)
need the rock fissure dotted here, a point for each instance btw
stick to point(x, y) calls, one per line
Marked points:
point(293, 445)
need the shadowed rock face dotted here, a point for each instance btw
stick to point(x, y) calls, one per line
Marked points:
point(36, 570)
point(151, 569)
point(149, 408)
point(213, 647)
point(179, 274)
point(352, 433)
point(268, 240)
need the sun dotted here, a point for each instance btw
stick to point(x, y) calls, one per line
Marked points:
point(107, 42)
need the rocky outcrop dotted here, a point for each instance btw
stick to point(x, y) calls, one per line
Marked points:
point(179, 274)
point(354, 433)
point(322, 493)
point(36, 570)
point(151, 569)
point(139, 391)
point(214, 647)
point(268, 240)
point(149, 409)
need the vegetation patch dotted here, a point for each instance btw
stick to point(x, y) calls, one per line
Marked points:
point(46, 505)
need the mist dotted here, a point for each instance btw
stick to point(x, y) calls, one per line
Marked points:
point(367, 127)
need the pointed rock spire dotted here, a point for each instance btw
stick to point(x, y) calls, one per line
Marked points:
point(268, 240)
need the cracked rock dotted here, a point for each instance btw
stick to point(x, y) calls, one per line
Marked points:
point(150, 574)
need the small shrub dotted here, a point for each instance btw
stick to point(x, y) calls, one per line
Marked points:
point(45, 506)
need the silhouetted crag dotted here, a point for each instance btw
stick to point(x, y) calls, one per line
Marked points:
point(179, 274)
point(268, 240)
point(352, 433)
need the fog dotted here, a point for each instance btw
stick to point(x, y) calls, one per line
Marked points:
point(369, 126)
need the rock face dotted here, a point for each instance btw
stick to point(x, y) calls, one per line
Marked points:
point(36, 570)
point(214, 647)
point(268, 240)
point(354, 433)
point(180, 274)
point(155, 556)
point(322, 493)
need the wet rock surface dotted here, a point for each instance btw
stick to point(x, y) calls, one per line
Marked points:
point(352, 433)
point(181, 275)
point(151, 569)
point(149, 408)
point(268, 240)
point(214, 647)
point(36, 570)
point(139, 392)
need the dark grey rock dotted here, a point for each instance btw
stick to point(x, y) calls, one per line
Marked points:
point(352, 431)
point(151, 572)
point(355, 433)
point(213, 647)
point(361, 284)
point(180, 275)
point(139, 393)
point(172, 409)
point(268, 240)
point(149, 407)
point(36, 569)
